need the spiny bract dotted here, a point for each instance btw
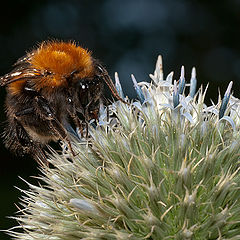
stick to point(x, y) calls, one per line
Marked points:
point(164, 167)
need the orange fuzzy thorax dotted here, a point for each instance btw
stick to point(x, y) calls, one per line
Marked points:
point(60, 59)
point(53, 62)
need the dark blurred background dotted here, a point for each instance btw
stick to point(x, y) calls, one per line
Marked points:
point(127, 37)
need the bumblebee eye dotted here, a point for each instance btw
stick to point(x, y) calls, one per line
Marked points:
point(83, 86)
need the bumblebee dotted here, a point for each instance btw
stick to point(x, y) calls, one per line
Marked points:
point(50, 87)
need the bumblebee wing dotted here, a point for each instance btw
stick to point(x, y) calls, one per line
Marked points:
point(22, 72)
point(24, 60)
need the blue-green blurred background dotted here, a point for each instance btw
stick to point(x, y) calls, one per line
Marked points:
point(126, 35)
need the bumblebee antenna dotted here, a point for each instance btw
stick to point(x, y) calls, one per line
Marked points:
point(110, 84)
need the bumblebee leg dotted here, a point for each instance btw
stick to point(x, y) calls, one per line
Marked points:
point(76, 120)
point(28, 145)
point(47, 114)
point(62, 133)
point(24, 112)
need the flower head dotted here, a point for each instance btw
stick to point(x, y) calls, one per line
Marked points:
point(164, 167)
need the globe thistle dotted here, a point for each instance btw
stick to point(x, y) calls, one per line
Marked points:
point(164, 167)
